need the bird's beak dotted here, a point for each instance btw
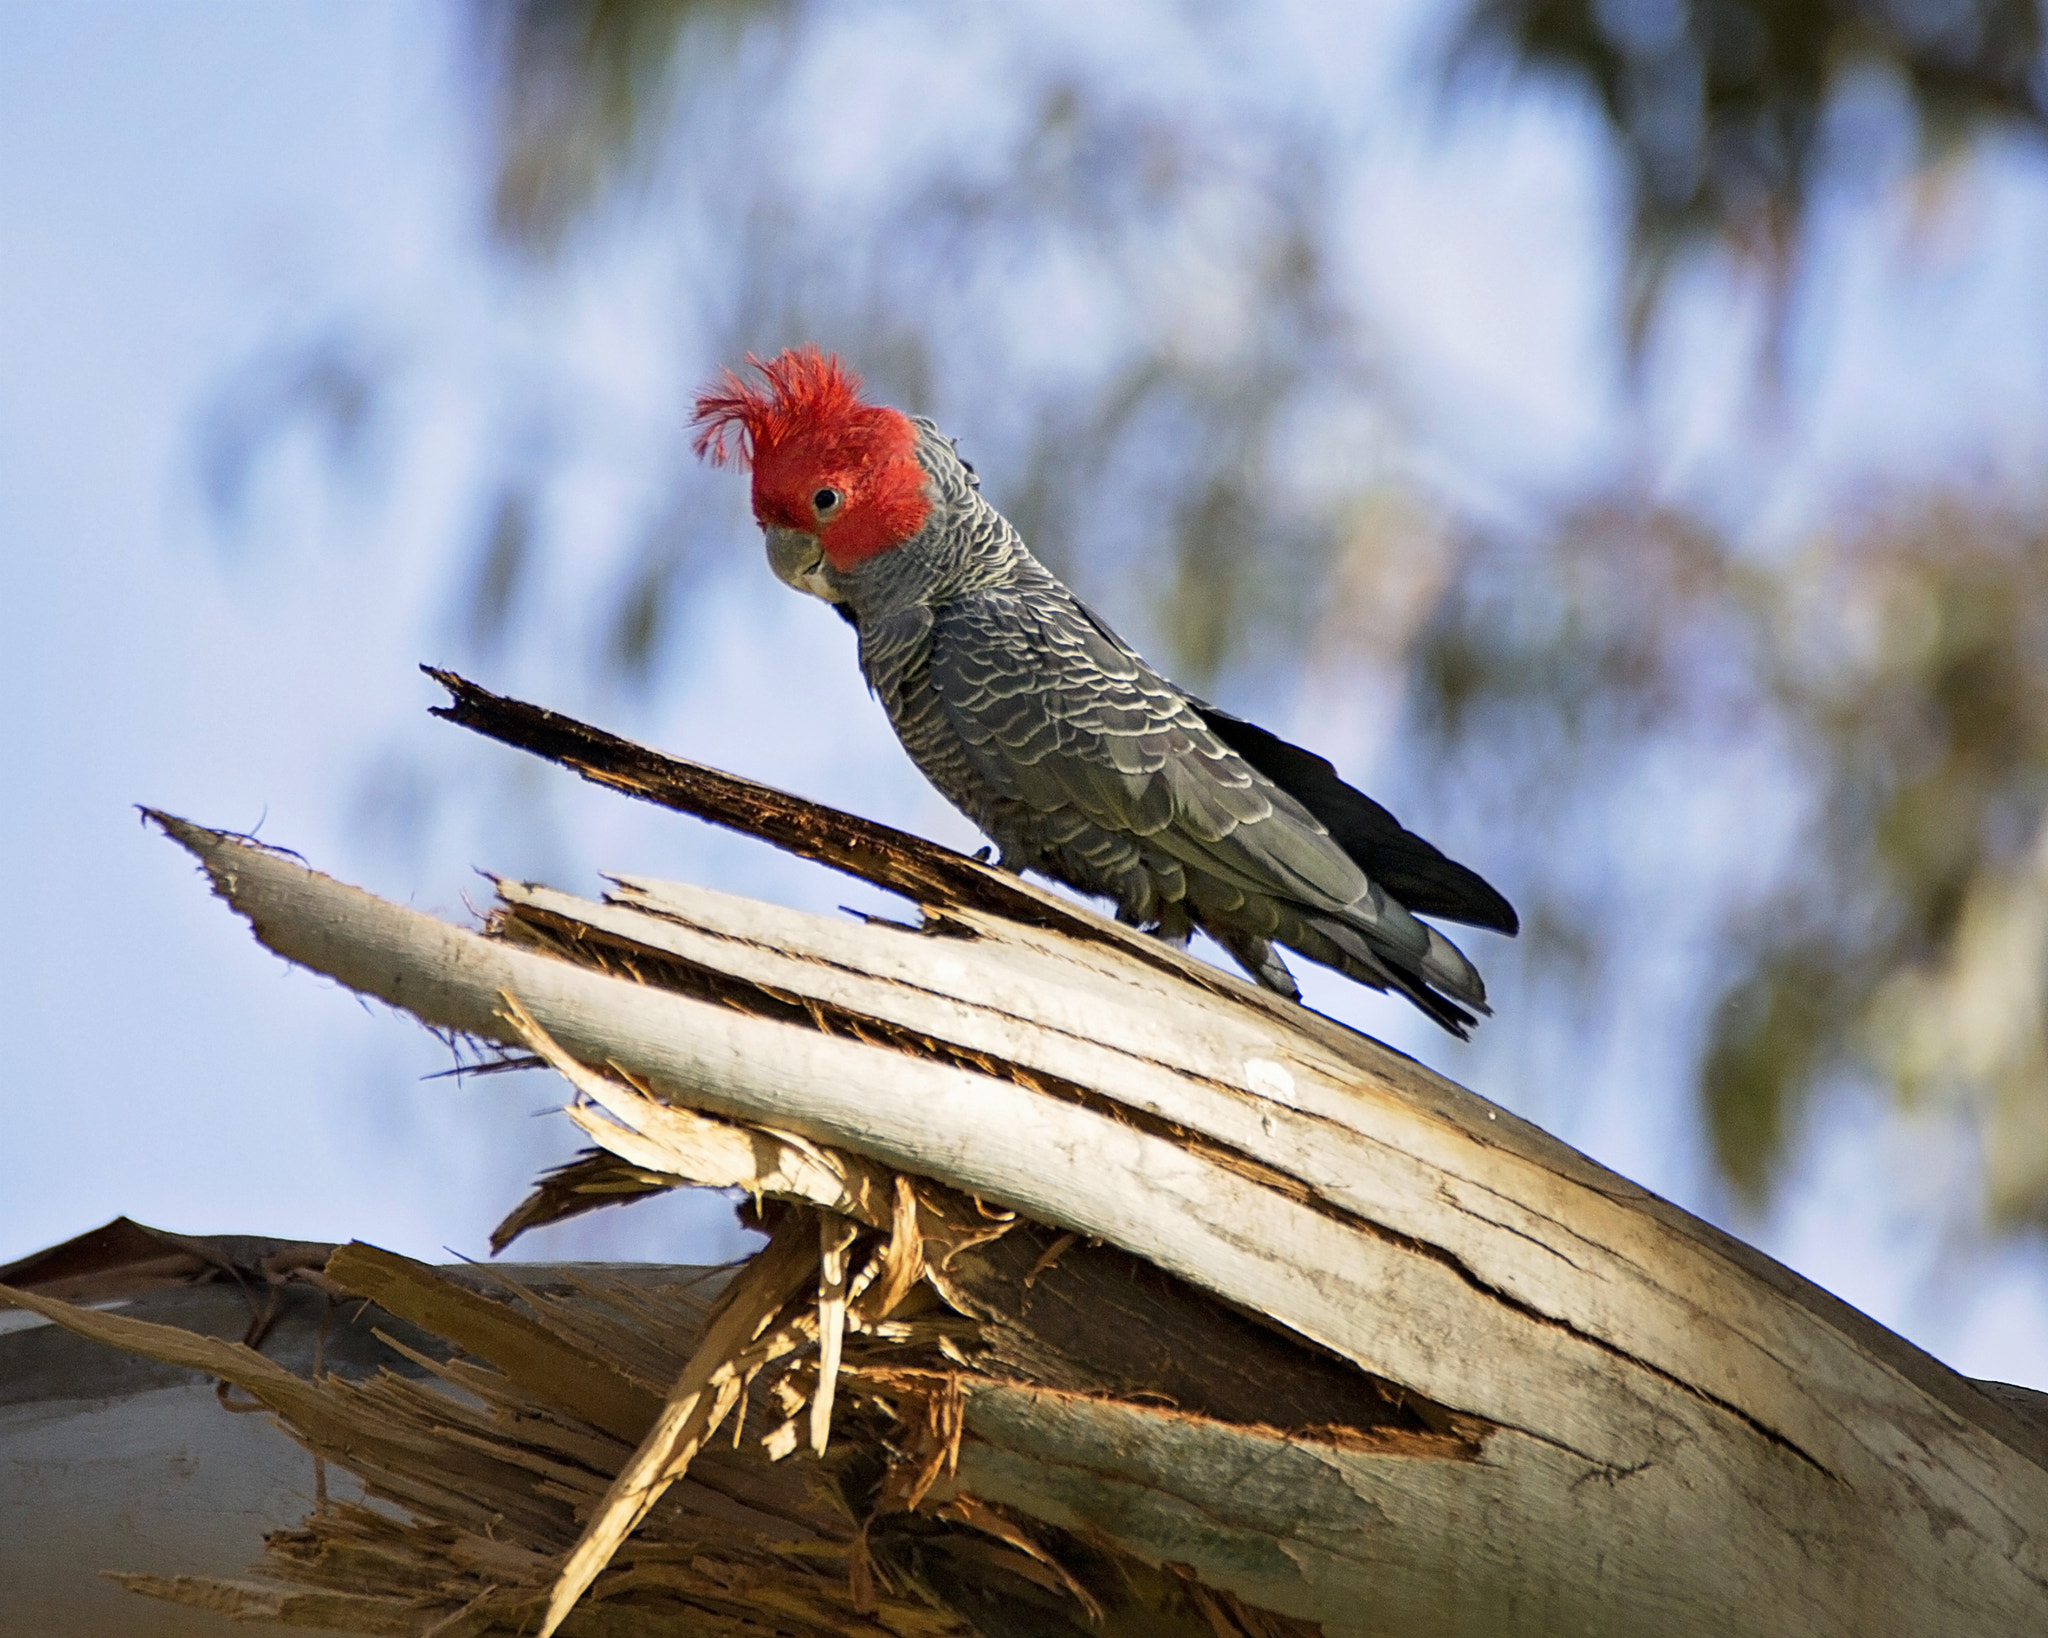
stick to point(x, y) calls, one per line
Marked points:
point(799, 560)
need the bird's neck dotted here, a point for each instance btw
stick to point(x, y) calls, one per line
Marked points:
point(964, 546)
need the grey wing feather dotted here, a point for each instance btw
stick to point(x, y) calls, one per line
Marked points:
point(1035, 719)
point(1052, 711)
point(1419, 876)
point(1113, 778)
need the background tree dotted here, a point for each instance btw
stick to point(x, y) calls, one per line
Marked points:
point(1123, 267)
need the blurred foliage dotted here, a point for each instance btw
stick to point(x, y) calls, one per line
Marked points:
point(1132, 305)
point(1719, 107)
point(581, 90)
point(1897, 669)
point(1193, 243)
point(325, 386)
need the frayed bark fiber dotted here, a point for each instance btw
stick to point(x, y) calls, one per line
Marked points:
point(1102, 1288)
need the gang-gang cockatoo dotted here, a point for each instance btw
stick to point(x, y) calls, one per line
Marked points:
point(1046, 729)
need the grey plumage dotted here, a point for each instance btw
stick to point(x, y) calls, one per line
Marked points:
point(1083, 763)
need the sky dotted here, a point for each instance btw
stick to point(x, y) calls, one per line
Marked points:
point(183, 189)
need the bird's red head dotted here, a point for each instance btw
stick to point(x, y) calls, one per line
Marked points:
point(824, 462)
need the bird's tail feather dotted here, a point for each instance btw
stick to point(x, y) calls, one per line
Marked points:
point(1258, 957)
point(1436, 981)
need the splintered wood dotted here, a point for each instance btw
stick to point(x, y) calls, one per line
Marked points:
point(576, 1481)
point(1102, 1290)
point(559, 1471)
point(552, 1392)
point(833, 1197)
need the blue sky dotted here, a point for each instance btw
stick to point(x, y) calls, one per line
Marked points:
point(183, 188)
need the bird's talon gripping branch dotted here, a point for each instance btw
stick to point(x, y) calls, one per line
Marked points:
point(1047, 730)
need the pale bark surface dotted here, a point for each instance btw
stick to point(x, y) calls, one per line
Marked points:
point(1640, 1425)
point(1172, 1271)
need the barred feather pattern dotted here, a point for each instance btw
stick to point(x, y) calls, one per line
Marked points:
point(1084, 764)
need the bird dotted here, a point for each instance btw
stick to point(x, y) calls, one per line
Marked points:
point(1077, 759)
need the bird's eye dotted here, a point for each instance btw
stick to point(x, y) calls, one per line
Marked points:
point(826, 500)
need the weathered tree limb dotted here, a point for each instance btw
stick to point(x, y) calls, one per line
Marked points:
point(1642, 1426)
point(751, 1543)
point(907, 864)
point(552, 1384)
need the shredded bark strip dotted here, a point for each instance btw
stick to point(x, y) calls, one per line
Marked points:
point(1102, 1293)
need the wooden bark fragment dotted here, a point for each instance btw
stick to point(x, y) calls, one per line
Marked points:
point(594, 1179)
point(285, 1606)
point(529, 1354)
point(1662, 1430)
point(711, 1153)
point(732, 1348)
point(835, 1239)
point(742, 1545)
point(1627, 1380)
point(890, 858)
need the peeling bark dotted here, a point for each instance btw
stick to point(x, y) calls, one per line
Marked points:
point(1120, 1248)
point(1565, 1374)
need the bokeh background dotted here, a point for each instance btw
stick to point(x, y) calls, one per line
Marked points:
point(1613, 430)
